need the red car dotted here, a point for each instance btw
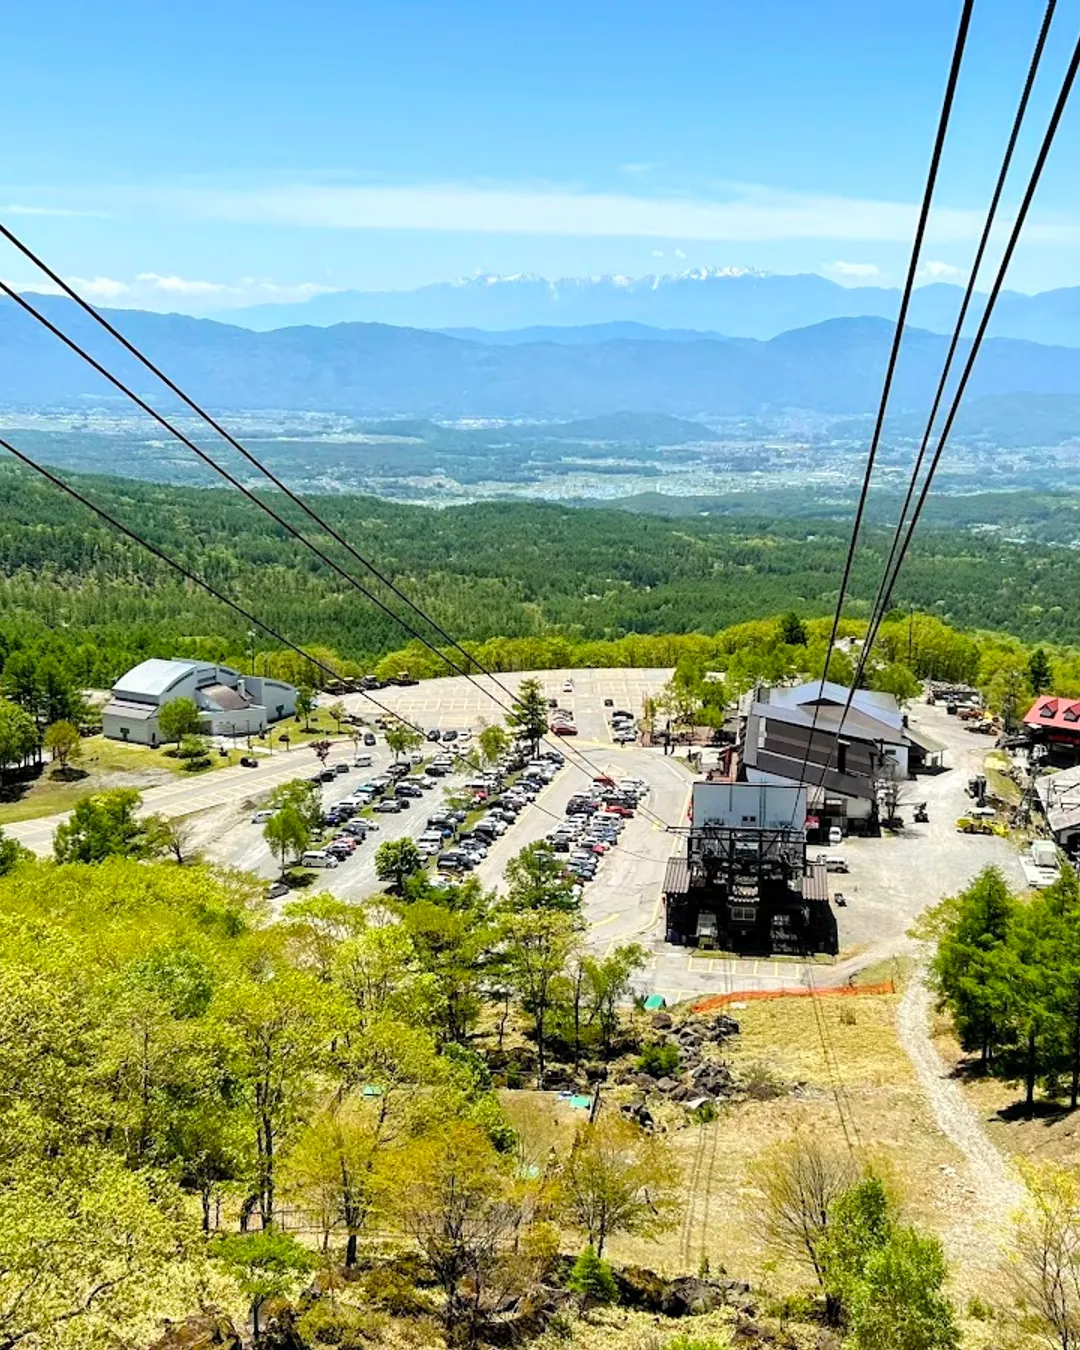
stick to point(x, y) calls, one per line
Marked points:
point(624, 811)
point(564, 729)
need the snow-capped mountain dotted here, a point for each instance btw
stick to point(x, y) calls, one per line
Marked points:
point(734, 301)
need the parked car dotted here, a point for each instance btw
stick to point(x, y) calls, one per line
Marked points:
point(341, 768)
point(449, 735)
point(260, 817)
point(276, 890)
point(369, 738)
point(362, 761)
point(564, 729)
point(454, 860)
point(327, 776)
point(390, 805)
point(609, 703)
point(833, 862)
point(318, 857)
point(434, 734)
point(249, 762)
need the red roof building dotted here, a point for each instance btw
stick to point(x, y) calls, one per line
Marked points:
point(1056, 721)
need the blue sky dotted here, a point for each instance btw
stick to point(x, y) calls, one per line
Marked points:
point(200, 156)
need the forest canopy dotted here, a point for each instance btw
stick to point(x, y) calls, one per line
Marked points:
point(73, 588)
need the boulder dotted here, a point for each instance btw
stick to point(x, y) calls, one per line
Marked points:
point(203, 1331)
point(666, 1085)
point(661, 1021)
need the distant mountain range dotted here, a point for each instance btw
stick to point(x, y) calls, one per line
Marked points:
point(710, 300)
point(377, 370)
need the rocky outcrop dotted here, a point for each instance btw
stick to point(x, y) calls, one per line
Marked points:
point(204, 1331)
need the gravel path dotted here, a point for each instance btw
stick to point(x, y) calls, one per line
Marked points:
point(995, 1187)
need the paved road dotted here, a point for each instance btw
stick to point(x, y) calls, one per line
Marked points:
point(223, 791)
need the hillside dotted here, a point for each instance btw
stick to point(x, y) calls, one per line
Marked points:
point(374, 369)
point(510, 570)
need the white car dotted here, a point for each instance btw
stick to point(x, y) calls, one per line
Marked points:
point(416, 757)
point(568, 686)
point(260, 817)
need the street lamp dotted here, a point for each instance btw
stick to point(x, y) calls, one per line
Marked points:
point(252, 638)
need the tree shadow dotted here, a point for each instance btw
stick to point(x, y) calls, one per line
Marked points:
point(1049, 1113)
point(70, 774)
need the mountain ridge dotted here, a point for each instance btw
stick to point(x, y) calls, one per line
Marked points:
point(731, 301)
point(379, 370)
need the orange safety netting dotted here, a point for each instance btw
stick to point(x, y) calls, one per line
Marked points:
point(746, 995)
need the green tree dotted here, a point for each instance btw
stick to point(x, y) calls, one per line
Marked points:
point(105, 825)
point(305, 704)
point(63, 742)
point(265, 1266)
point(84, 1241)
point(401, 738)
point(178, 718)
point(455, 950)
point(303, 796)
point(897, 679)
point(288, 835)
point(861, 1221)
point(492, 743)
point(536, 879)
point(792, 630)
point(620, 1178)
point(396, 860)
point(971, 968)
point(899, 1303)
point(608, 980)
point(591, 1279)
point(1039, 673)
point(539, 944)
point(11, 854)
point(276, 1024)
point(338, 712)
point(529, 716)
point(18, 735)
point(1007, 692)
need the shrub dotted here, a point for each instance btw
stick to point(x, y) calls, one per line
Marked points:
point(394, 1292)
point(341, 1325)
point(660, 1061)
point(591, 1277)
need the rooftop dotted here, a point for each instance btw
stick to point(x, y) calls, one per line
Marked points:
point(1063, 714)
point(153, 678)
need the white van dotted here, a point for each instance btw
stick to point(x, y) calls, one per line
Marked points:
point(261, 817)
point(362, 762)
point(318, 857)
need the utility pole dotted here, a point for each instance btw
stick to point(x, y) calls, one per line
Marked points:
point(252, 636)
point(910, 631)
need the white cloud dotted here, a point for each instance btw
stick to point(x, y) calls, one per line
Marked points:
point(853, 269)
point(636, 168)
point(679, 253)
point(182, 285)
point(658, 252)
point(743, 212)
point(21, 209)
point(99, 288)
point(941, 269)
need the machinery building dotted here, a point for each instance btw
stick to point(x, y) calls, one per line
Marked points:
point(744, 882)
point(229, 704)
point(847, 756)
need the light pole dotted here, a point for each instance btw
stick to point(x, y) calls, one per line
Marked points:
point(252, 637)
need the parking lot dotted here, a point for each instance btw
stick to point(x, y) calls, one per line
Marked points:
point(890, 881)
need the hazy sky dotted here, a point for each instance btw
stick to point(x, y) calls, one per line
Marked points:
point(197, 156)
